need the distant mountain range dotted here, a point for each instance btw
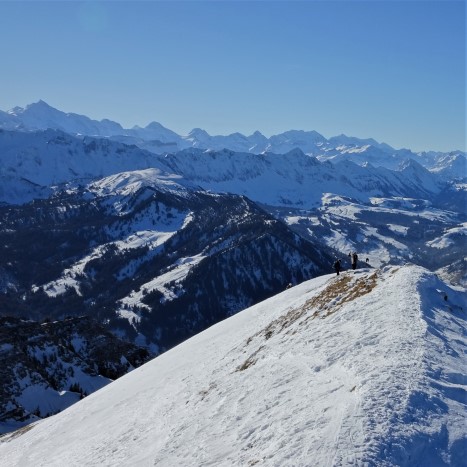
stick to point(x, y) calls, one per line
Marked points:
point(33, 162)
point(158, 139)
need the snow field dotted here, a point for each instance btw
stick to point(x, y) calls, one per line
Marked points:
point(360, 369)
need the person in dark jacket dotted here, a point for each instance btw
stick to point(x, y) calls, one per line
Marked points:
point(337, 266)
point(354, 260)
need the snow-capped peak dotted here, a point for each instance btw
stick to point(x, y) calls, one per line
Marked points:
point(198, 133)
point(39, 106)
point(39, 109)
point(158, 139)
point(42, 116)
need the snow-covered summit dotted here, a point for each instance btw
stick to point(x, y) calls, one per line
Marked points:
point(42, 116)
point(361, 369)
point(155, 131)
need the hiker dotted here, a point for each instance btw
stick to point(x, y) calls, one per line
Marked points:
point(354, 260)
point(337, 266)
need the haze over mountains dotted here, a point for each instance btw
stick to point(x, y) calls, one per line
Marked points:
point(157, 236)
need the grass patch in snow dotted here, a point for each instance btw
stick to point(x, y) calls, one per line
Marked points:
point(7, 437)
point(341, 290)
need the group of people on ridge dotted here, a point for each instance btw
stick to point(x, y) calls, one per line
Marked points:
point(353, 261)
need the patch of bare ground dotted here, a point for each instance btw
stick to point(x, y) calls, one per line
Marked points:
point(7, 437)
point(250, 361)
point(343, 289)
point(205, 392)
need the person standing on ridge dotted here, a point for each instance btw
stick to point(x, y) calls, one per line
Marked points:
point(337, 266)
point(354, 260)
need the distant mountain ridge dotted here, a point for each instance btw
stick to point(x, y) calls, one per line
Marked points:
point(158, 139)
point(33, 162)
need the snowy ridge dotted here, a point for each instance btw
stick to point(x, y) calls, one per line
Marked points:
point(361, 369)
point(125, 184)
point(41, 116)
point(52, 157)
point(299, 180)
point(158, 139)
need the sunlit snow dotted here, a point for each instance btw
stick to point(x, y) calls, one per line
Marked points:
point(362, 369)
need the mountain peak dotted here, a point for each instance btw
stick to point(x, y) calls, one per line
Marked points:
point(156, 138)
point(198, 133)
point(295, 152)
point(411, 164)
point(39, 109)
point(257, 134)
point(155, 126)
point(40, 102)
point(40, 105)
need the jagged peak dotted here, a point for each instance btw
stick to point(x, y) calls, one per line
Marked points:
point(40, 106)
point(411, 164)
point(40, 103)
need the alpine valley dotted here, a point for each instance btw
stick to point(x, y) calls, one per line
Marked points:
point(119, 244)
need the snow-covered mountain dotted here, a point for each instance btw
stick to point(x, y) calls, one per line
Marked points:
point(31, 162)
point(51, 157)
point(41, 116)
point(362, 369)
point(387, 215)
point(158, 236)
point(158, 139)
point(295, 179)
point(154, 261)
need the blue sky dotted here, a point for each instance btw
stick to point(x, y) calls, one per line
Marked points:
point(391, 70)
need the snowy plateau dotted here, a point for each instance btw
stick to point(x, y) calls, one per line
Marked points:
point(212, 256)
point(365, 368)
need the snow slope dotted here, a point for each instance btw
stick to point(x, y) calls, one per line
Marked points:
point(361, 369)
point(294, 179)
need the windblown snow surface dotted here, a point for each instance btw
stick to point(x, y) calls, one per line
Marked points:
point(362, 369)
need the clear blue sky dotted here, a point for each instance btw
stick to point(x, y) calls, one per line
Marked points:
point(391, 70)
